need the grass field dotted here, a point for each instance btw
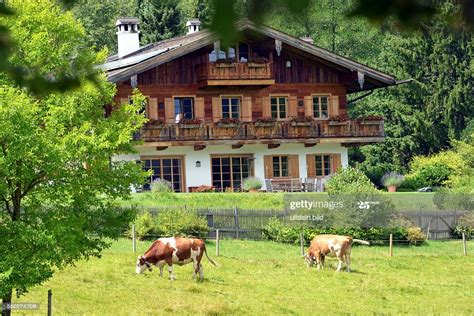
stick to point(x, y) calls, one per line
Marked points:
point(405, 201)
point(260, 278)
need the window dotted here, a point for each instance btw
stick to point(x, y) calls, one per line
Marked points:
point(280, 166)
point(278, 107)
point(323, 165)
point(320, 106)
point(230, 107)
point(214, 56)
point(169, 169)
point(183, 108)
point(229, 171)
point(244, 52)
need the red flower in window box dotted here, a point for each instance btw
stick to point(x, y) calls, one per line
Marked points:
point(265, 121)
point(228, 122)
point(190, 123)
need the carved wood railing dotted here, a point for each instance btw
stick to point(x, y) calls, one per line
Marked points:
point(256, 131)
point(234, 71)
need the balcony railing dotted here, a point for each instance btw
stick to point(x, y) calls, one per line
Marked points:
point(262, 131)
point(235, 71)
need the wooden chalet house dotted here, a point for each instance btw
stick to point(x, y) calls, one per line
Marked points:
point(272, 106)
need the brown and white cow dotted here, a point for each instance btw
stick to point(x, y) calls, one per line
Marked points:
point(331, 246)
point(174, 250)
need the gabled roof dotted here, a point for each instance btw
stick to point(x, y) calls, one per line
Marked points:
point(162, 52)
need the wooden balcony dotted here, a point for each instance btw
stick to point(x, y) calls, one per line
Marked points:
point(225, 74)
point(350, 132)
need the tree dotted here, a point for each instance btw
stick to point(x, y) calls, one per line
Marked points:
point(57, 181)
point(98, 19)
point(160, 19)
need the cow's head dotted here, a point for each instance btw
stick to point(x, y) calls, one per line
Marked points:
point(142, 265)
point(309, 259)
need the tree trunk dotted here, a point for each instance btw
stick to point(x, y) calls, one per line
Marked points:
point(7, 299)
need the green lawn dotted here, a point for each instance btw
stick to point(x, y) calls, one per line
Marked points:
point(407, 201)
point(260, 278)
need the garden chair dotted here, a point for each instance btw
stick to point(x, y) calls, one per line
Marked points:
point(296, 185)
point(268, 185)
point(309, 185)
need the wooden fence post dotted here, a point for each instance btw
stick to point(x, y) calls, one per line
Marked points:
point(391, 245)
point(302, 242)
point(236, 221)
point(464, 243)
point(217, 243)
point(50, 302)
point(428, 231)
point(134, 239)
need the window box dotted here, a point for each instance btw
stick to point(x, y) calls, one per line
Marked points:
point(299, 124)
point(338, 123)
point(264, 124)
point(256, 65)
point(227, 125)
point(189, 126)
point(224, 65)
point(369, 122)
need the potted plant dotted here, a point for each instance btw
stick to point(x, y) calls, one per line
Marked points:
point(157, 123)
point(228, 122)
point(370, 120)
point(392, 181)
point(252, 184)
point(225, 62)
point(265, 122)
point(302, 121)
point(257, 62)
point(190, 123)
point(338, 120)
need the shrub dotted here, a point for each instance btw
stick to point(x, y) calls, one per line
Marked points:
point(277, 230)
point(180, 223)
point(252, 183)
point(349, 180)
point(392, 179)
point(144, 225)
point(161, 186)
point(204, 189)
point(465, 225)
point(415, 236)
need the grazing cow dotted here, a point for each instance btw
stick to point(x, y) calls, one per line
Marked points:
point(175, 250)
point(331, 246)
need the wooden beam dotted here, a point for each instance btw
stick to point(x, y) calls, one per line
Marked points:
point(161, 147)
point(240, 82)
point(272, 146)
point(199, 147)
point(237, 146)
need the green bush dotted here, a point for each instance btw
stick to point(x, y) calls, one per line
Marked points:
point(465, 225)
point(392, 179)
point(180, 223)
point(144, 225)
point(415, 236)
point(252, 183)
point(349, 180)
point(277, 230)
point(173, 222)
point(161, 186)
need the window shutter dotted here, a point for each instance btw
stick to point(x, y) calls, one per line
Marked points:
point(308, 106)
point(199, 108)
point(334, 108)
point(152, 108)
point(169, 110)
point(268, 166)
point(216, 109)
point(292, 106)
point(311, 166)
point(335, 162)
point(246, 114)
point(266, 109)
point(294, 166)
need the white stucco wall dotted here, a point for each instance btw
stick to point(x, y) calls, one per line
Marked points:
point(199, 176)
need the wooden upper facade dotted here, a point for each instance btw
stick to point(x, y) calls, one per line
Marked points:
point(267, 88)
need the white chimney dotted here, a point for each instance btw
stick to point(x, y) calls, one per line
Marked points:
point(193, 25)
point(307, 39)
point(127, 36)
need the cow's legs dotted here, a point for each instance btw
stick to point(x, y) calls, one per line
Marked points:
point(161, 271)
point(196, 268)
point(323, 259)
point(201, 272)
point(340, 257)
point(348, 262)
point(170, 270)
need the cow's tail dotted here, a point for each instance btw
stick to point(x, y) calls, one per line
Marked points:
point(363, 242)
point(210, 260)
